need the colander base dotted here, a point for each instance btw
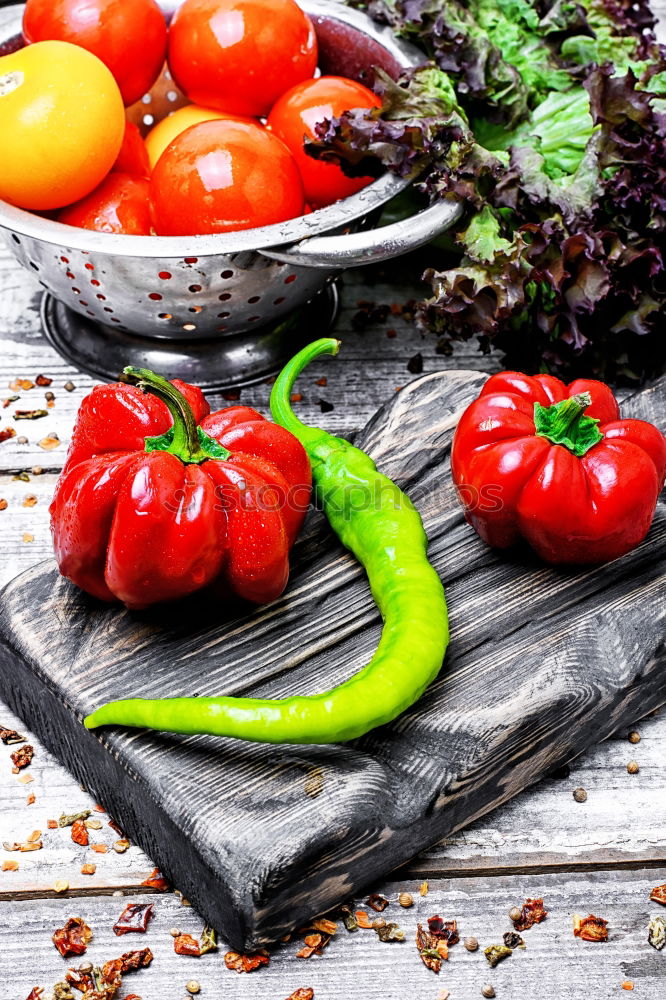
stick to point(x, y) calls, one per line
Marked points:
point(222, 363)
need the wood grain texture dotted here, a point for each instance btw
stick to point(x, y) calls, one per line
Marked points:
point(553, 966)
point(526, 686)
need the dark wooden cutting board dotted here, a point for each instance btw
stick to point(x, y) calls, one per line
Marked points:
point(542, 662)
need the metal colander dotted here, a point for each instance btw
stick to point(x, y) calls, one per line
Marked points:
point(219, 286)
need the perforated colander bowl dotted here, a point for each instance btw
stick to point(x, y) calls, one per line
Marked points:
point(217, 286)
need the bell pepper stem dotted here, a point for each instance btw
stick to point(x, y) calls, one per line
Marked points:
point(185, 439)
point(566, 424)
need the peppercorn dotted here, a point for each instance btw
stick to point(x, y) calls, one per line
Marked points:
point(175, 932)
point(634, 737)
point(406, 899)
point(86, 967)
point(69, 386)
point(488, 991)
point(515, 913)
point(471, 944)
point(192, 986)
point(378, 923)
point(632, 767)
point(580, 795)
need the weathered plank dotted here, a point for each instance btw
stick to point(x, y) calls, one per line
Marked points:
point(553, 964)
point(501, 715)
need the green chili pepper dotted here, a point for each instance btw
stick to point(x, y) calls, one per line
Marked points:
point(383, 529)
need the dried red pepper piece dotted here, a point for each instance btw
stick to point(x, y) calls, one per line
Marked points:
point(446, 930)
point(80, 833)
point(377, 902)
point(432, 950)
point(73, 938)
point(658, 894)
point(36, 992)
point(8, 737)
point(133, 960)
point(43, 380)
point(306, 993)
point(23, 756)
point(156, 880)
point(245, 963)
point(6, 434)
point(185, 944)
point(590, 928)
point(532, 912)
point(134, 919)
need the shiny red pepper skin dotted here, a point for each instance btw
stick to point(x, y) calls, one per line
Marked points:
point(516, 484)
point(143, 527)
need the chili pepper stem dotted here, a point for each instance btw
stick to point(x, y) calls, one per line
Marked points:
point(185, 439)
point(280, 401)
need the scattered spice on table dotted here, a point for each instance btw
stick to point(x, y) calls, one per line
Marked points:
point(231, 395)
point(52, 824)
point(6, 434)
point(513, 940)
point(30, 500)
point(9, 400)
point(363, 920)
point(99, 848)
point(391, 333)
point(348, 917)
point(26, 779)
point(632, 767)
point(432, 950)
point(580, 795)
point(627, 985)
point(389, 932)
point(322, 381)
point(304, 993)
point(69, 387)
point(10, 736)
point(377, 902)
point(314, 945)
point(3, 504)
point(50, 400)
point(208, 940)
point(471, 944)
point(658, 894)
point(22, 757)
point(590, 928)
point(73, 938)
point(496, 953)
point(28, 537)
point(80, 833)
point(634, 737)
point(156, 881)
point(192, 986)
point(50, 442)
point(88, 869)
point(120, 846)
point(444, 930)
point(657, 933)
point(60, 885)
point(423, 889)
point(21, 477)
point(10, 866)
point(93, 824)
point(246, 963)
point(532, 912)
point(22, 439)
point(296, 397)
point(406, 899)
point(43, 380)
point(21, 385)
point(30, 801)
point(185, 944)
point(30, 414)
point(134, 919)
point(488, 992)
point(70, 820)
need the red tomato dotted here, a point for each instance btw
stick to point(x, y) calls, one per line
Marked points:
point(121, 204)
point(133, 155)
point(296, 114)
point(129, 36)
point(223, 175)
point(240, 55)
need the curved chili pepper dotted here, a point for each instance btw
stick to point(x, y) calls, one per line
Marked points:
point(554, 464)
point(383, 529)
point(150, 509)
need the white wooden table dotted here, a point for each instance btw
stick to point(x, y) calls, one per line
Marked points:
point(600, 856)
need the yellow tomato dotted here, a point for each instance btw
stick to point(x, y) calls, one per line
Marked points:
point(166, 131)
point(62, 123)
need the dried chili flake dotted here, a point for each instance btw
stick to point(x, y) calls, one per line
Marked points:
point(231, 394)
point(156, 881)
point(30, 414)
point(10, 736)
point(432, 951)
point(134, 919)
point(61, 991)
point(322, 381)
point(658, 894)
point(35, 993)
point(296, 397)
point(43, 380)
point(325, 926)
point(236, 962)
point(3, 504)
point(446, 930)
point(88, 869)
point(657, 933)
point(30, 500)
point(377, 902)
point(304, 993)
point(513, 940)
point(532, 912)
point(390, 932)
point(185, 944)
point(423, 889)
point(496, 953)
point(30, 801)
point(133, 960)
point(73, 938)
point(363, 919)
point(49, 443)
point(23, 756)
point(21, 385)
point(10, 866)
point(28, 537)
point(99, 848)
point(590, 928)
point(66, 820)
point(6, 434)
point(8, 401)
point(80, 833)
point(208, 940)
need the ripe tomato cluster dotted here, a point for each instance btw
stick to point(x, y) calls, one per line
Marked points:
point(234, 158)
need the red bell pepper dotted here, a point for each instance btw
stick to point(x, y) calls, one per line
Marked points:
point(553, 464)
point(159, 497)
